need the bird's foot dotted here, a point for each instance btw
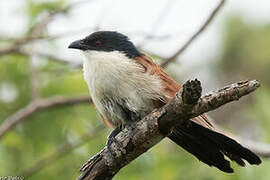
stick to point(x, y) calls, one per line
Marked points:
point(111, 138)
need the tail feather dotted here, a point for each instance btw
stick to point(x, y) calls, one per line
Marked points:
point(210, 146)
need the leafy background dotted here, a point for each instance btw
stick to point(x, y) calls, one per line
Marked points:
point(244, 53)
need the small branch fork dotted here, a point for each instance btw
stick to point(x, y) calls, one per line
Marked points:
point(147, 132)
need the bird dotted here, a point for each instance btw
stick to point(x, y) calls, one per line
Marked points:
point(126, 85)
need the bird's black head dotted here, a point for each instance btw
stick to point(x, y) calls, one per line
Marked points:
point(106, 41)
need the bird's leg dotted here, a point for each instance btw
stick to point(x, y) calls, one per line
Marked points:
point(111, 138)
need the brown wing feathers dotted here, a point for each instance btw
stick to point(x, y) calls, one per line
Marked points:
point(170, 85)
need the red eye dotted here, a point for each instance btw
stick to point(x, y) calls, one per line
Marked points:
point(98, 43)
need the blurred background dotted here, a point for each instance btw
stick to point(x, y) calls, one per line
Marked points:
point(48, 126)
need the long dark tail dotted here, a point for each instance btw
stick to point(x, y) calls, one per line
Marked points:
point(210, 146)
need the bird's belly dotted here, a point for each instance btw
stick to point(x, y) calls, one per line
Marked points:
point(119, 105)
point(119, 101)
point(121, 91)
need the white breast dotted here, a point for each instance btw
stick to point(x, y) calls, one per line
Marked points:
point(113, 75)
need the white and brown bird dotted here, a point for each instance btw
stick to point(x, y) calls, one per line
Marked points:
point(126, 85)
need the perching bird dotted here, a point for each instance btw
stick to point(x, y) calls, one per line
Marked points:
point(126, 85)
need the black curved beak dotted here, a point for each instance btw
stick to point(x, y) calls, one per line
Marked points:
point(78, 45)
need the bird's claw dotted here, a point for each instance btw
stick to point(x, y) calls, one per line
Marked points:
point(111, 138)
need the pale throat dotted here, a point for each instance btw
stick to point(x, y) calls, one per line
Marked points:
point(107, 68)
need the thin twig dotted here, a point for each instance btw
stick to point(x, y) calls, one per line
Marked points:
point(38, 29)
point(33, 77)
point(162, 15)
point(50, 57)
point(36, 105)
point(194, 36)
point(35, 36)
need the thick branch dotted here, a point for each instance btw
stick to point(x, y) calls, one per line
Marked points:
point(35, 106)
point(194, 36)
point(147, 132)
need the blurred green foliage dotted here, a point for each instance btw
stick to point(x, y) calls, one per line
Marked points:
point(246, 54)
point(246, 49)
point(34, 8)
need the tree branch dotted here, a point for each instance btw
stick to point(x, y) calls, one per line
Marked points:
point(36, 105)
point(154, 127)
point(193, 37)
